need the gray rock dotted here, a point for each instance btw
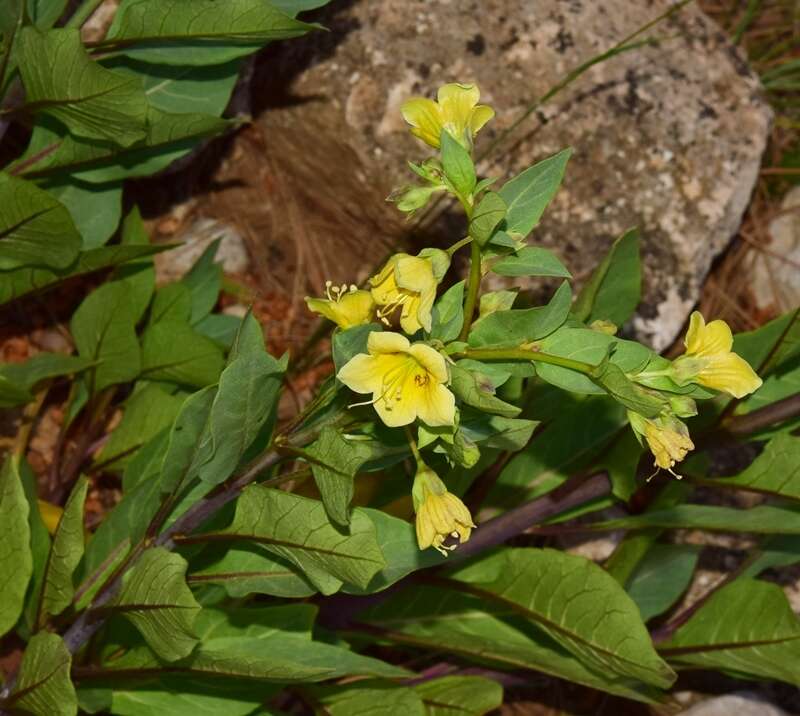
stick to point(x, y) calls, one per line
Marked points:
point(741, 704)
point(666, 137)
point(232, 252)
point(776, 269)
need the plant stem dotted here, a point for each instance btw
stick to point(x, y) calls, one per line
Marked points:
point(473, 286)
point(456, 246)
point(83, 13)
point(525, 354)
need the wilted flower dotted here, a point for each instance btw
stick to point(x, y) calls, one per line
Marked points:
point(440, 514)
point(408, 284)
point(456, 110)
point(666, 436)
point(710, 362)
point(346, 307)
point(406, 381)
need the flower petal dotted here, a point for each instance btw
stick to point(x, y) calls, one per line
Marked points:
point(355, 309)
point(409, 317)
point(361, 374)
point(704, 339)
point(323, 307)
point(395, 413)
point(480, 116)
point(379, 342)
point(437, 406)
point(459, 95)
point(729, 373)
point(425, 116)
point(425, 529)
point(414, 274)
point(430, 359)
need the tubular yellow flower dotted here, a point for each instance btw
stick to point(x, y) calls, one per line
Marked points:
point(666, 436)
point(710, 362)
point(456, 110)
point(346, 307)
point(408, 283)
point(406, 381)
point(440, 514)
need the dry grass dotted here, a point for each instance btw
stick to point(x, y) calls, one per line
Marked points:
point(769, 32)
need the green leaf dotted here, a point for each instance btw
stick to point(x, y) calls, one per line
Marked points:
point(157, 601)
point(483, 630)
point(267, 644)
point(22, 378)
point(457, 164)
point(763, 519)
point(489, 212)
point(174, 352)
point(613, 291)
point(611, 378)
point(570, 440)
point(204, 282)
point(516, 326)
point(44, 13)
point(478, 392)
point(104, 331)
point(65, 554)
point(40, 545)
point(448, 314)
point(139, 275)
point(584, 344)
point(171, 303)
point(454, 695)
point(198, 32)
point(62, 80)
point(35, 228)
point(531, 261)
point(528, 194)
point(495, 431)
point(147, 412)
point(220, 328)
point(182, 460)
point(372, 699)
point(577, 604)
point(246, 399)
point(44, 687)
point(16, 561)
point(747, 628)
point(299, 530)
point(17, 283)
point(334, 464)
point(397, 540)
point(776, 471)
point(351, 342)
point(662, 577)
point(169, 137)
point(249, 569)
point(96, 209)
point(181, 88)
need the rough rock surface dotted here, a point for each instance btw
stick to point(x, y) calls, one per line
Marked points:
point(667, 137)
point(741, 704)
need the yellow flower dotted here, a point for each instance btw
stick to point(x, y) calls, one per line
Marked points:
point(710, 362)
point(51, 515)
point(456, 110)
point(345, 307)
point(408, 283)
point(440, 514)
point(666, 436)
point(406, 381)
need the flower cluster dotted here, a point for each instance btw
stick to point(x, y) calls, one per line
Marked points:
point(408, 375)
point(708, 362)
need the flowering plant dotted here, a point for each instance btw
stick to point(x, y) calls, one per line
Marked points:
point(231, 575)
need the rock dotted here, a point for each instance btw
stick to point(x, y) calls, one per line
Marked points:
point(741, 704)
point(232, 252)
point(667, 137)
point(776, 270)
